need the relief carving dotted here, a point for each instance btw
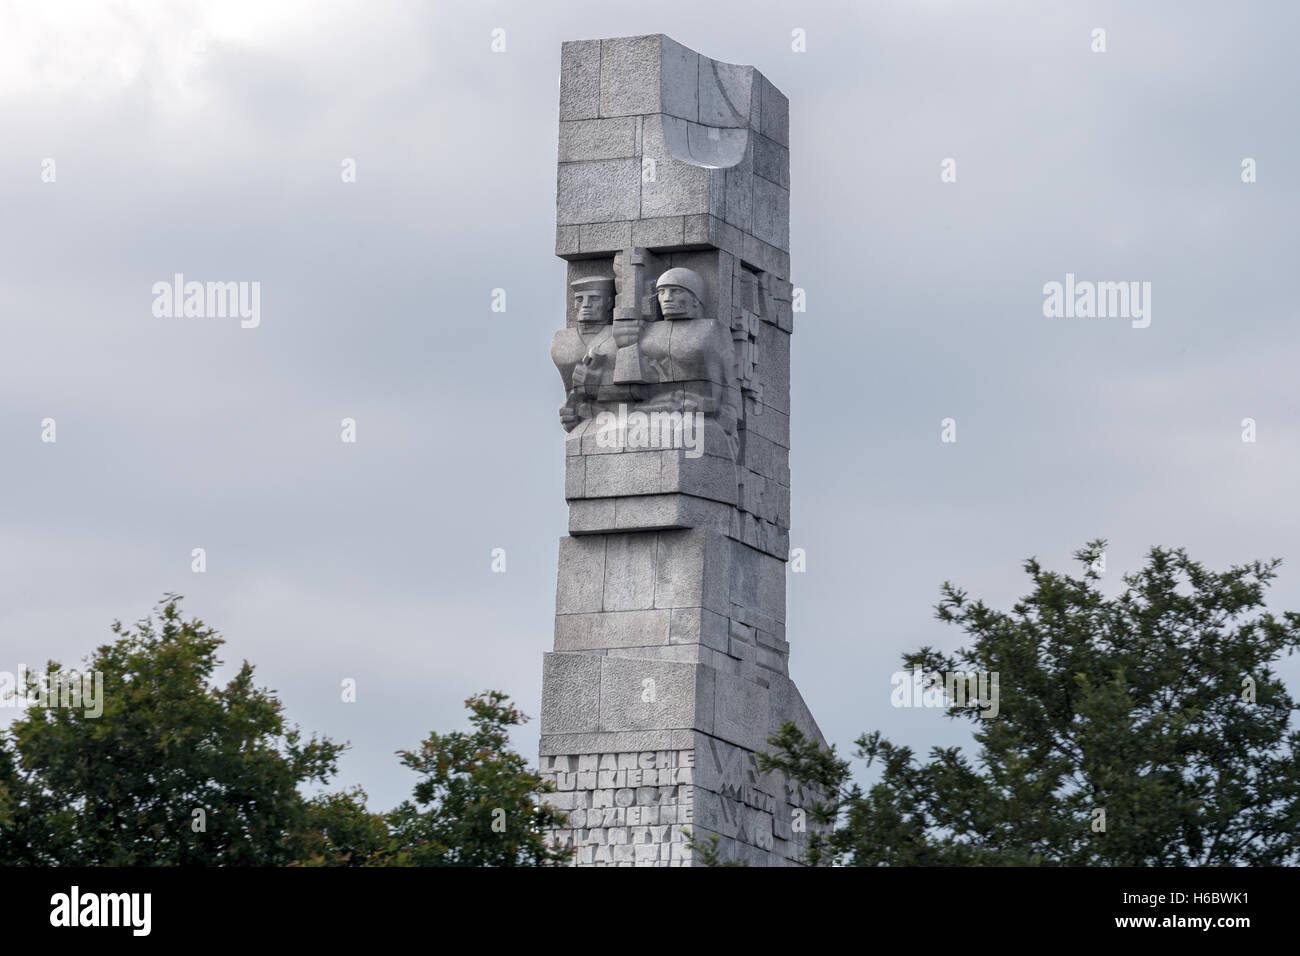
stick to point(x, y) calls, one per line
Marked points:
point(649, 350)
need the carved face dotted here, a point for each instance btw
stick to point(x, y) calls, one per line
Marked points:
point(677, 302)
point(593, 306)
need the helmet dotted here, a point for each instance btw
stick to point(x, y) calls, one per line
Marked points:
point(686, 279)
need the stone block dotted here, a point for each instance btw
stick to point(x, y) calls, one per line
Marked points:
point(600, 191)
point(611, 629)
point(658, 233)
point(782, 516)
point(727, 237)
point(591, 515)
point(738, 190)
point(771, 660)
point(743, 632)
point(679, 80)
point(648, 512)
point(772, 161)
point(775, 123)
point(663, 512)
point(580, 80)
point(787, 703)
point(604, 237)
point(573, 440)
point(570, 693)
point(566, 240)
point(676, 188)
point(630, 75)
point(692, 570)
point(707, 476)
point(629, 473)
point(653, 695)
point(682, 653)
point(741, 711)
point(751, 615)
point(768, 423)
point(772, 640)
point(753, 575)
point(696, 625)
point(766, 257)
point(580, 584)
point(725, 90)
point(696, 230)
point(771, 213)
point(767, 458)
point(575, 476)
point(771, 590)
point(629, 572)
point(589, 139)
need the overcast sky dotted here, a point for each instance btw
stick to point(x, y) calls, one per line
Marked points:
point(208, 139)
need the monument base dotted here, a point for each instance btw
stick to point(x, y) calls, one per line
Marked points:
point(639, 797)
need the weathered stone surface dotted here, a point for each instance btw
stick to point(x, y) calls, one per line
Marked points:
point(629, 572)
point(771, 213)
point(654, 695)
point(580, 80)
point(582, 140)
point(556, 744)
point(580, 584)
point(597, 236)
point(697, 625)
point(775, 123)
point(566, 240)
point(570, 694)
point(599, 191)
point(652, 233)
point(772, 161)
point(691, 568)
point(589, 515)
point(610, 629)
point(670, 667)
point(676, 188)
point(630, 75)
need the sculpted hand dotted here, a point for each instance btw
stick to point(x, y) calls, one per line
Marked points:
point(626, 332)
point(568, 417)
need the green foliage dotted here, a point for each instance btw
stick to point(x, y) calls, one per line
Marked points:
point(340, 831)
point(1133, 705)
point(121, 788)
point(478, 804)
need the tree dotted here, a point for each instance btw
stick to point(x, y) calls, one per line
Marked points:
point(1147, 729)
point(174, 771)
point(477, 804)
point(169, 769)
point(340, 831)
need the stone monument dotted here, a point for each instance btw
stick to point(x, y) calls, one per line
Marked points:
point(670, 661)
